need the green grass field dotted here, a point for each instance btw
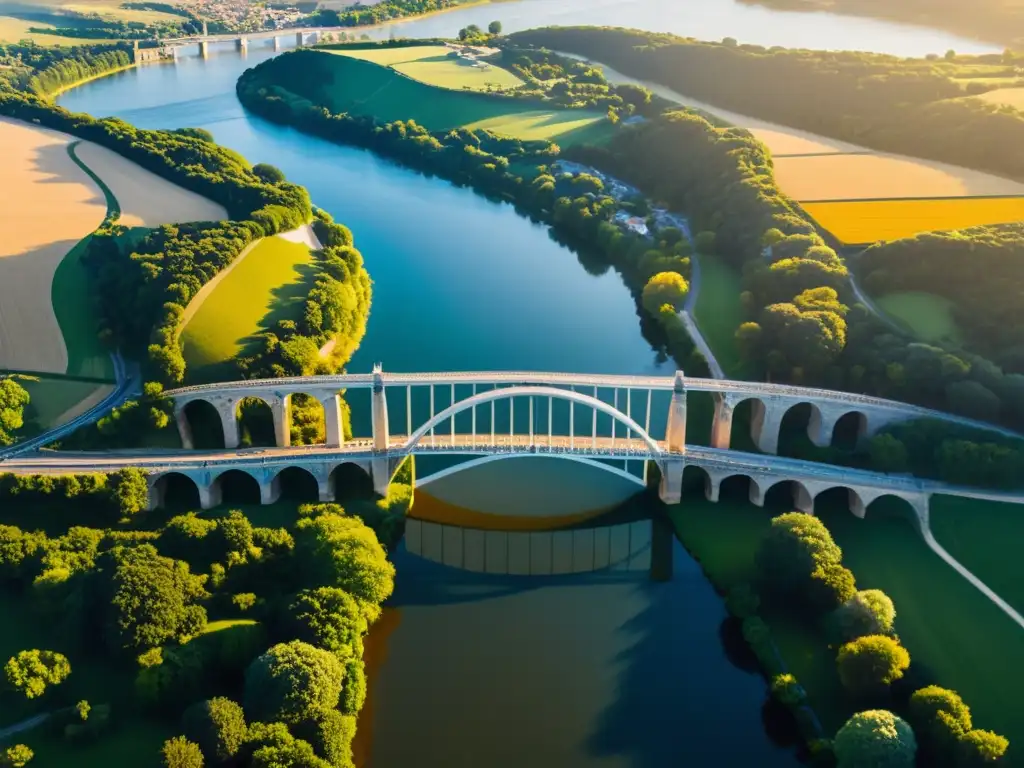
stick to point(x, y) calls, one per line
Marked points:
point(985, 536)
point(51, 397)
point(719, 312)
point(432, 64)
point(955, 636)
point(267, 286)
point(925, 315)
point(345, 84)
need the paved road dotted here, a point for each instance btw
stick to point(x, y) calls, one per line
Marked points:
point(128, 385)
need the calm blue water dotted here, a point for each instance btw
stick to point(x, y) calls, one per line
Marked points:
point(483, 670)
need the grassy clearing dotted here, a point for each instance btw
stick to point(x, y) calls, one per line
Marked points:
point(985, 536)
point(267, 286)
point(719, 312)
point(954, 634)
point(345, 84)
point(53, 397)
point(860, 222)
point(433, 65)
point(927, 316)
point(15, 30)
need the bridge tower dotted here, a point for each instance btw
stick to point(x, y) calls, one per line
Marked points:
point(671, 488)
point(380, 465)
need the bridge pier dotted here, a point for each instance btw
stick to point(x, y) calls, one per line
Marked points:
point(277, 43)
point(204, 48)
point(670, 490)
point(765, 424)
point(282, 412)
point(270, 491)
point(210, 495)
point(228, 412)
point(721, 425)
point(242, 44)
point(802, 499)
point(298, 39)
point(332, 421)
point(184, 428)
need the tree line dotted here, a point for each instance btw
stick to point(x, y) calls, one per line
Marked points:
point(901, 720)
point(279, 682)
point(575, 205)
point(874, 100)
point(44, 69)
point(378, 13)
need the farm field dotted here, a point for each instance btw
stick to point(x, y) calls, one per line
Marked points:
point(857, 222)
point(925, 315)
point(985, 537)
point(876, 176)
point(40, 178)
point(14, 30)
point(1011, 97)
point(364, 88)
point(266, 285)
point(431, 64)
point(145, 199)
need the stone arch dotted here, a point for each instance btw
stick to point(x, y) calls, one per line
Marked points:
point(913, 510)
point(552, 392)
point(306, 419)
point(235, 486)
point(200, 425)
point(849, 429)
point(294, 482)
point(797, 419)
point(696, 478)
point(736, 485)
point(255, 417)
point(168, 487)
point(787, 492)
point(348, 481)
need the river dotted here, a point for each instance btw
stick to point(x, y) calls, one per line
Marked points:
point(472, 669)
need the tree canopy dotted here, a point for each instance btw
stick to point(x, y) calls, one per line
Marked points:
point(875, 738)
point(31, 672)
point(292, 682)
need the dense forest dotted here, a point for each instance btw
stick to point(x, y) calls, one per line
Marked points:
point(980, 269)
point(910, 106)
point(576, 205)
point(365, 15)
point(44, 69)
point(249, 639)
point(1001, 21)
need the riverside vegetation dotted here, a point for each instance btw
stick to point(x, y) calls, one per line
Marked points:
point(576, 205)
point(245, 638)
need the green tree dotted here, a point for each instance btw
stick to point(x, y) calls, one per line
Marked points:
point(343, 552)
point(330, 734)
point(870, 664)
point(329, 618)
point(494, 28)
point(831, 585)
point(17, 756)
point(664, 288)
point(268, 173)
point(30, 672)
point(792, 549)
point(869, 612)
point(888, 453)
point(293, 682)
point(13, 399)
point(179, 752)
point(875, 738)
point(148, 600)
point(217, 726)
point(978, 749)
point(940, 719)
point(128, 490)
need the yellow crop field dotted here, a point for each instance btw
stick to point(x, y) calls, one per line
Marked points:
point(878, 176)
point(1011, 97)
point(867, 221)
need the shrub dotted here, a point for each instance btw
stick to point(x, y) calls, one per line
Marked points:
point(978, 749)
point(831, 585)
point(270, 745)
point(793, 548)
point(217, 726)
point(292, 682)
point(664, 288)
point(875, 738)
point(179, 752)
point(940, 719)
point(869, 612)
point(787, 690)
point(330, 734)
point(870, 664)
point(129, 491)
point(32, 671)
point(17, 756)
point(328, 618)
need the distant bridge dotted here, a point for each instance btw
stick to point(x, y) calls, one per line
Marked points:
point(301, 35)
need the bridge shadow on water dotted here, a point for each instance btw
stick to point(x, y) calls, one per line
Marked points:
point(603, 669)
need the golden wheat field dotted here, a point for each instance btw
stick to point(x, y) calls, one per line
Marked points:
point(878, 176)
point(867, 221)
